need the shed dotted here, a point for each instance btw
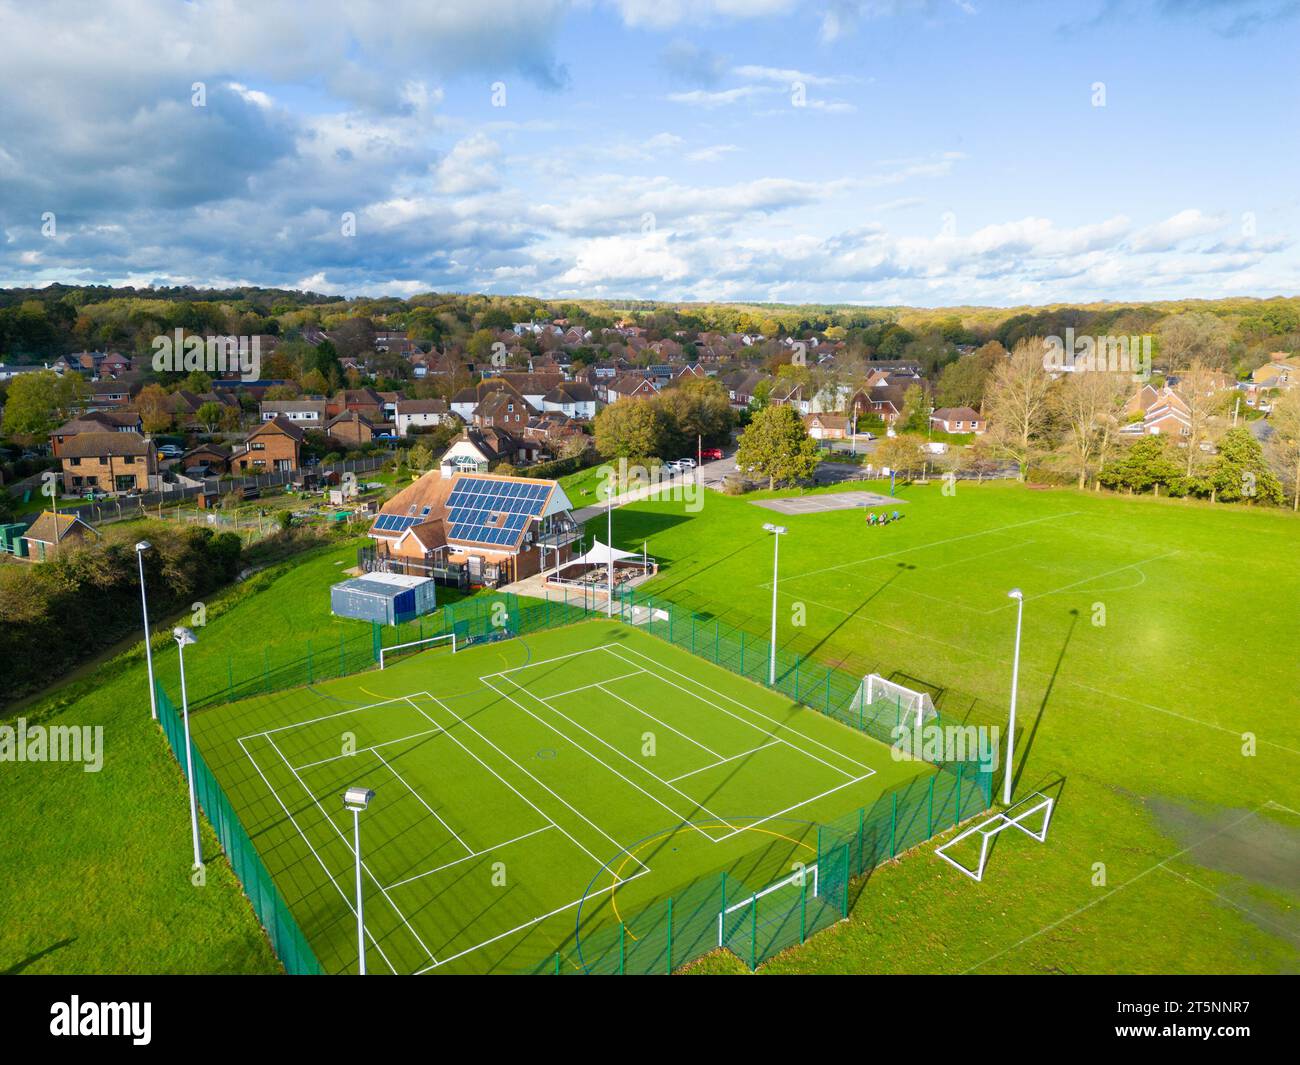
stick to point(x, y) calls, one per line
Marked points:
point(388, 598)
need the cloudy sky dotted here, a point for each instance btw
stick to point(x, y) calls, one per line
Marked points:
point(931, 152)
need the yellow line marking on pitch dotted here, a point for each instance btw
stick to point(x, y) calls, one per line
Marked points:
point(617, 879)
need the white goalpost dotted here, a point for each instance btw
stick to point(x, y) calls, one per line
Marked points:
point(876, 689)
point(416, 646)
point(1000, 822)
point(808, 874)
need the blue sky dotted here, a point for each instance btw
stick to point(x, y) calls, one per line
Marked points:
point(927, 152)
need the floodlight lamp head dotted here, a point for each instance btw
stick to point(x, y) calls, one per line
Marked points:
point(357, 798)
point(184, 636)
point(1015, 593)
point(144, 545)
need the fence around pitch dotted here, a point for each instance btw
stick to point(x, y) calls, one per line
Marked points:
point(709, 913)
point(287, 940)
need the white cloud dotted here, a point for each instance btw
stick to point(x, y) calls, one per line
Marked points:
point(1166, 235)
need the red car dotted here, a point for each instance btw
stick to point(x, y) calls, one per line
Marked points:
point(711, 454)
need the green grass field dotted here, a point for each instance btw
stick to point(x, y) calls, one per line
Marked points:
point(529, 793)
point(1158, 697)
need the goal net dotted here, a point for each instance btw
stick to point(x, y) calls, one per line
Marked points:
point(880, 697)
point(387, 655)
point(736, 920)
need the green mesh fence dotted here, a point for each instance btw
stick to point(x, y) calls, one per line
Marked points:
point(287, 940)
point(753, 921)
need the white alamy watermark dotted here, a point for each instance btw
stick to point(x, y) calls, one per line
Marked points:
point(622, 477)
point(178, 353)
point(946, 743)
point(1110, 354)
point(21, 742)
point(121, 1019)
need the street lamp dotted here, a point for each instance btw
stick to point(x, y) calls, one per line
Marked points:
point(140, 549)
point(184, 638)
point(356, 799)
point(1019, 597)
point(777, 532)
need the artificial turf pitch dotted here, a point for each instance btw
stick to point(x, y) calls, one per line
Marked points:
point(528, 793)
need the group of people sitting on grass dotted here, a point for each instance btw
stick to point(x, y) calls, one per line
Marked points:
point(882, 518)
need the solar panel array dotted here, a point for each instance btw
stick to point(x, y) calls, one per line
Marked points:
point(395, 522)
point(493, 512)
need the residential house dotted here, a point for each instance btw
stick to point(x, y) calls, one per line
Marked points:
point(351, 429)
point(420, 414)
point(958, 420)
point(503, 410)
point(576, 399)
point(273, 445)
point(309, 412)
point(479, 449)
point(827, 426)
point(108, 462)
point(125, 421)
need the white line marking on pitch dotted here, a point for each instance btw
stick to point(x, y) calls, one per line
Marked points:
point(420, 799)
point(922, 547)
point(724, 761)
point(468, 857)
point(347, 901)
point(344, 838)
point(750, 709)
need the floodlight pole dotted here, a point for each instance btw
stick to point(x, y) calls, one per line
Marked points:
point(356, 799)
point(184, 636)
point(1019, 597)
point(361, 919)
point(777, 532)
point(140, 549)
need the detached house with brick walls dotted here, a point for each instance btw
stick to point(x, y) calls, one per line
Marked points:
point(273, 445)
point(107, 462)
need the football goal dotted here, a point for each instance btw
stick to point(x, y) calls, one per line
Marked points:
point(1013, 816)
point(879, 696)
point(737, 918)
point(414, 647)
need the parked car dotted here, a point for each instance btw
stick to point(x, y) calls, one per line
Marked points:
point(170, 451)
point(711, 454)
point(686, 464)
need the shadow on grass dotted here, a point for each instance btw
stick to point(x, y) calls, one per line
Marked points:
point(31, 959)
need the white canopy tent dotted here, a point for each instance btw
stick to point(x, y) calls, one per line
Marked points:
point(601, 555)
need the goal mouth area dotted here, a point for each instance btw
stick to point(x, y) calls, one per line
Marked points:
point(388, 655)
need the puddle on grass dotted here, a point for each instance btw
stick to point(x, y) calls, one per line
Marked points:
point(1261, 848)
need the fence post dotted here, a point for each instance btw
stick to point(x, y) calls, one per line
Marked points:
point(803, 908)
point(846, 884)
point(893, 825)
point(670, 936)
point(557, 963)
point(929, 821)
point(862, 830)
point(753, 933)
